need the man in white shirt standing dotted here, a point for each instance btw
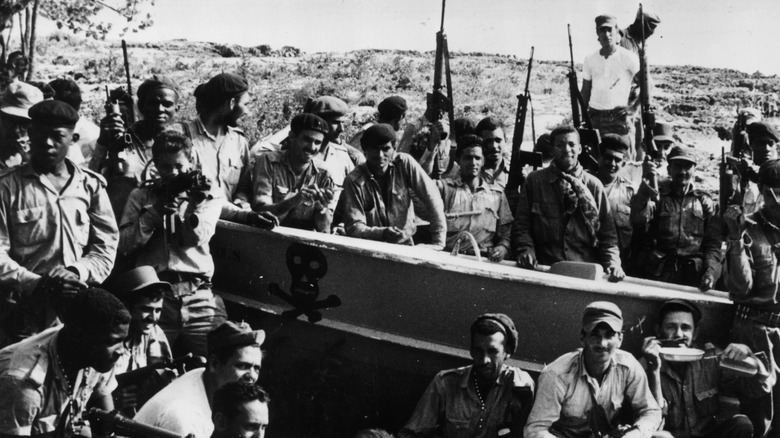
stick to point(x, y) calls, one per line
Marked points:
point(608, 77)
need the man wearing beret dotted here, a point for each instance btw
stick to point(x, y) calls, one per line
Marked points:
point(607, 79)
point(689, 392)
point(678, 230)
point(427, 139)
point(392, 111)
point(614, 152)
point(125, 166)
point(184, 406)
point(486, 399)
point(57, 227)
point(581, 393)
point(15, 101)
point(294, 184)
point(378, 193)
point(752, 279)
point(474, 205)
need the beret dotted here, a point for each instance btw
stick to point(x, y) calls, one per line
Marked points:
point(377, 135)
point(599, 312)
point(463, 126)
point(327, 106)
point(308, 121)
point(693, 308)
point(18, 98)
point(223, 85)
point(679, 153)
point(614, 142)
point(235, 335)
point(154, 83)
point(762, 129)
point(769, 174)
point(392, 107)
point(506, 323)
point(54, 113)
point(606, 20)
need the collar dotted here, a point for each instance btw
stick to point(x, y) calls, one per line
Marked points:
point(467, 376)
point(457, 181)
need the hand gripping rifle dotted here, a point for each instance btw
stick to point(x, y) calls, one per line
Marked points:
point(589, 137)
point(522, 158)
point(441, 102)
point(106, 423)
point(181, 364)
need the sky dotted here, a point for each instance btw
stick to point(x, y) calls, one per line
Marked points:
point(738, 34)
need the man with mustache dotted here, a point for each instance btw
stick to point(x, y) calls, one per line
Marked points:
point(496, 169)
point(294, 184)
point(15, 101)
point(486, 399)
point(581, 393)
point(563, 213)
point(677, 227)
point(377, 195)
point(240, 410)
point(689, 391)
point(47, 381)
point(185, 406)
point(763, 138)
point(614, 150)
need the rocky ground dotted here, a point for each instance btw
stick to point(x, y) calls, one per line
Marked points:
point(697, 100)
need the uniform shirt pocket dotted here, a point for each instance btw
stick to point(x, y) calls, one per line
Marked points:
point(458, 427)
point(234, 170)
point(30, 226)
point(82, 222)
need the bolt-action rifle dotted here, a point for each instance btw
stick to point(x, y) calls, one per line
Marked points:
point(522, 158)
point(589, 137)
point(441, 102)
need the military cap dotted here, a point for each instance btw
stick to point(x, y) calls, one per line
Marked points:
point(233, 335)
point(392, 107)
point(377, 135)
point(677, 303)
point(54, 113)
point(769, 174)
point(18, 98)
point(757, 130)
point(606, 21)
point(663, 132)
point(327, 107)
point(614, 142)
point(223, 85)
point(154, 83)
point(507, 326)
point(308, 121)
point(137, 279)
point(599, 312)
point(679, 153)
point(462, 126)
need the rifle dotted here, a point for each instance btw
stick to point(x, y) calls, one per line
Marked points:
point(130, 103)
point(589, 137)
point(740, 147)
point(441, 102)
point(522, 158)
point(648, 111)
point(182, 364)
point(106, 423)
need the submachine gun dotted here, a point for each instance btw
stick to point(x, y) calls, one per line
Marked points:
point(441, 102)
point(589, 137)
point(521, 158)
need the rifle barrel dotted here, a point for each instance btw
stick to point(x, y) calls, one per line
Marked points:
point(528, 75)
point(443, 6)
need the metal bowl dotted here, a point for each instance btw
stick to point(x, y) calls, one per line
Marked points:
point(677, 354)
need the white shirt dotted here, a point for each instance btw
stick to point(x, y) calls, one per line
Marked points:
point(181, 407)
point(611, 78)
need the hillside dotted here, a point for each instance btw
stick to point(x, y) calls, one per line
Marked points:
point(695, 99)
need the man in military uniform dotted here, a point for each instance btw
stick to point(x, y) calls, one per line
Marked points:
point(294, 184)
point(678, 229)
point(185, 406)
point(614, 150)
point(496, 169)
point(57, 228)
point(391, 110)
point(563, 213)
point(763, 138)
point(47, 381)
point(127, 165)
point(486, 399)
point(240, 410)
point(15, 101)
point(751, 277)
point(427, 139)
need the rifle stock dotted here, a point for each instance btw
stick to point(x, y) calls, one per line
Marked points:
point(521, 158)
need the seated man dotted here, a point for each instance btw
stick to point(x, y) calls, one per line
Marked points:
point(240, 410)
point(167, 224)
point(614, 150)
point(678, 232)
point(184, 406)
point(563, 213)
point(485, 399)
point(582, 392)
point(293, 184)
point(142, 293)
point(378, 193)
point(47, 381)
point(689, 392)
point(472, 204)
